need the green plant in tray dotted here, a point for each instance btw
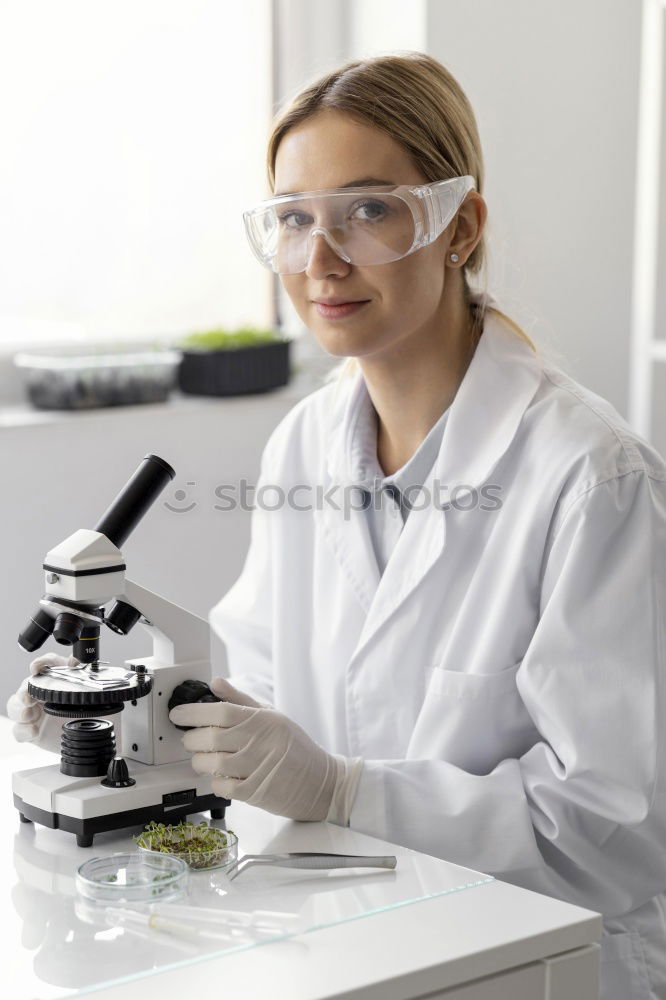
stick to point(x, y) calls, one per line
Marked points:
point(221, 339)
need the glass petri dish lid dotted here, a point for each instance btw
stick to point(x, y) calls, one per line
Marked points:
point(136, 876)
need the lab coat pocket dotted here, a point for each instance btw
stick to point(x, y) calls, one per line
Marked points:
point(623, 974)
point(473, 720)
point(455, 684)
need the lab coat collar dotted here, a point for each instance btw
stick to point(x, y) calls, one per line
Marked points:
point(484, 416)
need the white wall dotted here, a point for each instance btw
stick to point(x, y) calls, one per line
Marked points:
point(132, 137)
point(555, 90)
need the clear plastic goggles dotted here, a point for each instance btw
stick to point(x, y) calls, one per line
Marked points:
point(363, 225)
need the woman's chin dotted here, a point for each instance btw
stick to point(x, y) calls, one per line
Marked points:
point(341, 343)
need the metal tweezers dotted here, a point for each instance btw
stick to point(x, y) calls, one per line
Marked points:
point(309, 859)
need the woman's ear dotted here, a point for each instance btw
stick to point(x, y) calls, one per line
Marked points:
point(469, 225)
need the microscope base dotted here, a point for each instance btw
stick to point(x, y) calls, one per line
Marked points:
point(165, 793)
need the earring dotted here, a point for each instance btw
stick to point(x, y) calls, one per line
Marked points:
point(454, 257)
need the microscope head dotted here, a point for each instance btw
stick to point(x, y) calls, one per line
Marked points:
point(87, 570)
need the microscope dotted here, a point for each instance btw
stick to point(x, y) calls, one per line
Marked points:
point(92, 789)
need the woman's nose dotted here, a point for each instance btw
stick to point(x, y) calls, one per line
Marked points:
point(323, 259)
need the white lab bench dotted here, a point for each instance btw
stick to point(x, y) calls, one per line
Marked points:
point(479, 939)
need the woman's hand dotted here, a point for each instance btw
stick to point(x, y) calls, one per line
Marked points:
point(31, 725)
point(258, 755)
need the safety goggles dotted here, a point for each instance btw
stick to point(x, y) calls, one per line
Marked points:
point(363, 225)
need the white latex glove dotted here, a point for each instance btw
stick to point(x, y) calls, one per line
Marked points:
point(31, 724)
point(261, 757)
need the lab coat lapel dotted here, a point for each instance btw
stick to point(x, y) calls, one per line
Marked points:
point(349, 539)
point(499, 384)
point(343, 522)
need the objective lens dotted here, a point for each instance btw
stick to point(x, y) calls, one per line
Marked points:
point(86, 648)
point(68, 628)
point(122, 617)
point(36, 632)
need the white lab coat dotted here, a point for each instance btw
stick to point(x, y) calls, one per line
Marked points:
point(503, 680)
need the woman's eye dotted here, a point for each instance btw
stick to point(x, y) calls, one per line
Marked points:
point(369, 211)
point(294, 220)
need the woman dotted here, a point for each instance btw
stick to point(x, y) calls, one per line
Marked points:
point(450, 634)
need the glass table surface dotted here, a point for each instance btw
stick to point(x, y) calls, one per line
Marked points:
point(58, 944)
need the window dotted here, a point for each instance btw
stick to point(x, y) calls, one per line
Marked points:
point(133, 135)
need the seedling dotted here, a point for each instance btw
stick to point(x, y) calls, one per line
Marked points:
point(219, 339)
point(200, 845)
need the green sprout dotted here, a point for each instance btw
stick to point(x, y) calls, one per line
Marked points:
point(200, 845)
point(221, 339)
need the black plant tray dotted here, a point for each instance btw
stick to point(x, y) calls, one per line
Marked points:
point(234, 371)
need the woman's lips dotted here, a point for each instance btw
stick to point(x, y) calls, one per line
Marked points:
point(341, 310)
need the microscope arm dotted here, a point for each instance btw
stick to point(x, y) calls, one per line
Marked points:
point(181, 651)
point(179, 637)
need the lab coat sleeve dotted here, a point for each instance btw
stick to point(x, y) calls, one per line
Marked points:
point(242, 618)
point(582, 814)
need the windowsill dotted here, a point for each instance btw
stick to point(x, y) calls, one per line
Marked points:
point(302, 382)
point(309, 365)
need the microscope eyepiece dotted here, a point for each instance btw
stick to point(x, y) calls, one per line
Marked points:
point(37, 631)
point(134, 499)
point(68, 628)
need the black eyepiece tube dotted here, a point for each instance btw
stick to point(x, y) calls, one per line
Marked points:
point(134, 499)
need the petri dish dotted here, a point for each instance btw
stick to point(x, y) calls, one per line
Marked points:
point(136, 876)
point(224, 852)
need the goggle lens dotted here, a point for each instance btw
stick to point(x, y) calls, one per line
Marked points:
point(372, 229)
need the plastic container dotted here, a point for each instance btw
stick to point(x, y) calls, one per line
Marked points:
point(225, 853)
point(137, 876)
point(70, 381)
point(234, 371)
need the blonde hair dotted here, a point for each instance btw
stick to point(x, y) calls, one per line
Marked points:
point(416, 100)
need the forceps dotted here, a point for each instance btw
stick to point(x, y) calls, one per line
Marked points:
point(311, 860)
